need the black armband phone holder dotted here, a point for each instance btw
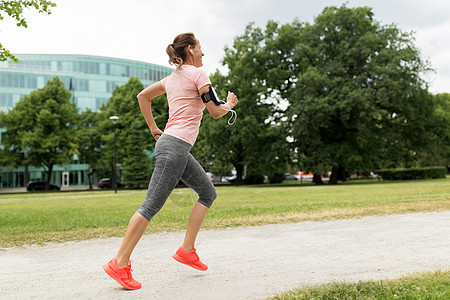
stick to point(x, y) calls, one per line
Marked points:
point(211, 95)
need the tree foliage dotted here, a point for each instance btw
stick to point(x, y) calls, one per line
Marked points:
point(90, 141)
point(123, 103)
point(359, 101)
point(249, 142)
point(437, 152)
point(137, 165)
point(14, 9)
point(41, 129)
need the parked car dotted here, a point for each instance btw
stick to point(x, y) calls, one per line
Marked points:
point(231, 178)
point(40, 186)
point(107, 183)
point(219, 178)
point(290, 177)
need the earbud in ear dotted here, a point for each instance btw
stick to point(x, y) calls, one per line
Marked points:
point(192, 52)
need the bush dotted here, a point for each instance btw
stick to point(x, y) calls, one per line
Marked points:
point(413, 173)
point(276, 177)
point(254, 179)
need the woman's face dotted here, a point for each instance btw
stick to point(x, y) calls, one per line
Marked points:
point(198, 55)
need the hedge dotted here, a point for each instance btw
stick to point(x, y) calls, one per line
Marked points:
point(254, 179)
point(276, 177)
point(413, 173)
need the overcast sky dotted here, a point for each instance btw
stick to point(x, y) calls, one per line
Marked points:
point(141, 29)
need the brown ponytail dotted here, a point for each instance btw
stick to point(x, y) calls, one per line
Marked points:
point(177, 50)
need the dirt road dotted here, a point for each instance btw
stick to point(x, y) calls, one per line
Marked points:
point(244, 263)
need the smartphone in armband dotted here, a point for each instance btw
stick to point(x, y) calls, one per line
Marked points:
point(211, 95)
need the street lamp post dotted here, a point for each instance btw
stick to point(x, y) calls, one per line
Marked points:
point(114, 119)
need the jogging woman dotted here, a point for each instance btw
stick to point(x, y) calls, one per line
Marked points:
point(184, 89)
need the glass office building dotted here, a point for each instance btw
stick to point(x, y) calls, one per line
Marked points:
point(91, 80)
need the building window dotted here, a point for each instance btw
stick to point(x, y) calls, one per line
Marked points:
point(6, 100)
point(80, 85)
point(31, 82)
point(99, 102)
point(86, 67)
point(97, 86)
point(110, 86)
point(117, 70)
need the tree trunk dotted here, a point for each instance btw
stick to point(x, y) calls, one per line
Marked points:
point(49, 177)
point(342, 174)
point(239, 174)
point(317, 179)
point(91, 171)
point(337, 173)
point(334, 175)
point(26, 177)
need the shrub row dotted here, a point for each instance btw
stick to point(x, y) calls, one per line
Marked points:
point(276, 177)
point(413, 173)
point(254, 179)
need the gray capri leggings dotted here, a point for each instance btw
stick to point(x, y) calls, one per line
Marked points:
point(173, 163)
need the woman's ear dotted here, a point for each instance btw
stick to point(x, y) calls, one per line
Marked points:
point(190, 49)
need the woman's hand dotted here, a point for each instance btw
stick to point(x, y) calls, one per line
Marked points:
point(232, 100)
point(156, 133)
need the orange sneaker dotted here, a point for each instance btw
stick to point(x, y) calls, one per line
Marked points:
point(189, 258)
point(121, 274)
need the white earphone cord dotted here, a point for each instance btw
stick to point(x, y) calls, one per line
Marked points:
point(233, 113)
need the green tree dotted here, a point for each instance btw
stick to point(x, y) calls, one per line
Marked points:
point(41, 129)
point(250, 140)
point(137, 165)
point(14, 9)
point(359, 101)
point(90, 141)
point(437, 152)
point(278, 78)
point(123, 103)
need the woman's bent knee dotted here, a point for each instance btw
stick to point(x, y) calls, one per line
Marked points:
point(148, 214)
point(209, 199)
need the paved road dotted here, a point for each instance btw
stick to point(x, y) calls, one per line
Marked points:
point(245, 263)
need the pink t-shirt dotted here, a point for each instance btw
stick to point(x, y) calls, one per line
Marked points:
point(185, 104)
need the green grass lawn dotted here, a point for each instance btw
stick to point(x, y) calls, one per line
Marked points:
point(30, 218)
point(435, 285)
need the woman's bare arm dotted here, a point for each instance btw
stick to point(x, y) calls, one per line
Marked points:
point(217, 111)
point(144, 98)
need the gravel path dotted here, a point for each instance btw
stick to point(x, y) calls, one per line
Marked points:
point(244, 263)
